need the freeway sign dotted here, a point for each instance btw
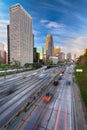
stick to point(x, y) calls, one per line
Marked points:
point(79, 70)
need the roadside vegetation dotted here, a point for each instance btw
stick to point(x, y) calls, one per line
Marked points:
point(81, 77)
point(15, 67)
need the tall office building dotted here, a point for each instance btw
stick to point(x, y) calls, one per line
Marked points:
point(36, 55)
point(49, 46)
point(21, 37)
point(85, 51)
point(56, 51)
point(69, 56)
point(61, 56)
point(8, 43)
point(41, 51)
point(2, 54)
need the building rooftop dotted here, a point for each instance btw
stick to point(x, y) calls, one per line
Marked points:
point(18, 5)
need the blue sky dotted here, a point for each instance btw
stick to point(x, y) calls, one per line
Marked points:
point(66, 20)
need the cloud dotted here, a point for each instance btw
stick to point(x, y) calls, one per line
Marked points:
point(44, 21)
point(54, 25)
point(64, 2)
point(75, 45)
point(36, 32)
point(51, 24)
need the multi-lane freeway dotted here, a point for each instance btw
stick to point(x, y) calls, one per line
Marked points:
point(57, 114)
point(22, 107)
point(19, 91)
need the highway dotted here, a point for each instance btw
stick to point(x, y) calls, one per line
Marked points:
point(58, 113)
point(18, 91)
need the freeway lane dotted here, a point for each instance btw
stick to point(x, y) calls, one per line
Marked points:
point(23, 93)
point(18, 101)
point(59, 112)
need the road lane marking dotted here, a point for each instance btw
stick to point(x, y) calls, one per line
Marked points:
point(57, 119)
point(65, 119)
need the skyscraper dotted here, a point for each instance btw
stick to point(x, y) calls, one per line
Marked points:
point(8, 43)
point(2, 54)
point(85, 51)
point(21, 37)
point(69, 56)
point(61, 56)
point(49, 46)
point(41, 51)
point(56, 51)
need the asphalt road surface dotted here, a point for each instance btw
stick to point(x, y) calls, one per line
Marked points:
point(58, 113)
point(15, 92)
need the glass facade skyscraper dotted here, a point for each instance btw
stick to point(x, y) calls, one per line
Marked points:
point(41, 51)
point(49, 46)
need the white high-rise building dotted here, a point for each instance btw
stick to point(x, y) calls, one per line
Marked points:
point(69, 57)
point(21, 37)
point(61, 56)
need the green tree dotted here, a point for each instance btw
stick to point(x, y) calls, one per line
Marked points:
point(0, 62)
point(26, 65)
point(16, 63)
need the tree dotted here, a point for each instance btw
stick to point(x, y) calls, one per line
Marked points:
point(82, 60)
point(16, 63)
point(0, 62)
point(26, 65)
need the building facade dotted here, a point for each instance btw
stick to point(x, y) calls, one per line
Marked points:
point(56, 51)
point(54, 59)
point(69, 57)
point(85, 51)
point(41, 51)
point(21, 37)
point(2, 57)
point(49, 46)
point(36, 56)
point(61, 56)
point(8, 43)
point(2, 54)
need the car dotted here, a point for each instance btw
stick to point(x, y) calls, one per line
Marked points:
point(62, 72)
point(55, 83)
point(60, 77)
point(34, 73)
point(42, 76)
point(68, 83)
point(47, 97)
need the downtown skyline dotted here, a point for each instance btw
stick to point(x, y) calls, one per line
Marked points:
point(66, 20)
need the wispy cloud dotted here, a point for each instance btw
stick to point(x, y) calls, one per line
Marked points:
point(75, 45)
point(44, 21)
point(36, 32)
point(64, 2)
point(51, 24)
